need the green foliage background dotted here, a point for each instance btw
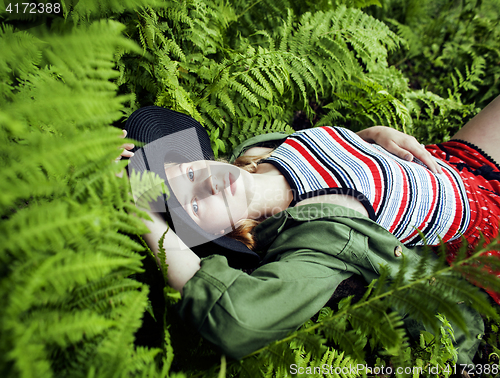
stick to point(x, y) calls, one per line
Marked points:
point(76, 281)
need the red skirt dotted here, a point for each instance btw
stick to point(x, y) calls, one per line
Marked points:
point(481, 177)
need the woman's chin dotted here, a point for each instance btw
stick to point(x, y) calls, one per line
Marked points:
point(245, 187)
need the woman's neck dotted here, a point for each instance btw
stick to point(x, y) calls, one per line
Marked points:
point(272, 193)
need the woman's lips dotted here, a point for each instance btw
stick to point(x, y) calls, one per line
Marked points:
point(232, 184)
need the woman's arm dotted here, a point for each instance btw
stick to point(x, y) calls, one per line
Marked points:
point(182, 262)
point(399, 144)
point(484, 130)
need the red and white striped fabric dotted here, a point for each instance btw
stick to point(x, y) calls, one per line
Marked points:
point(403, 197)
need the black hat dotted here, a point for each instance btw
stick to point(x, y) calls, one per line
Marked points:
point(170, 136)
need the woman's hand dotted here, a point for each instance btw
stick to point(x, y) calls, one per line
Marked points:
point(126, 147)
point(125, 152)
point(399, 144)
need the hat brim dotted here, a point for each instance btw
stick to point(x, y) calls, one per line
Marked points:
point(169, 136)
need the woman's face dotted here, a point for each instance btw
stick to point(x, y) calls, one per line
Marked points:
point(216, 195)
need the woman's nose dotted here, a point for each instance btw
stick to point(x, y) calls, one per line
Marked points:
point(210, 186)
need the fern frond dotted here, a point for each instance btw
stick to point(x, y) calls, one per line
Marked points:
point(277, 355)
point(65, 293)
point(424, 264)
point(387, 329)
point(127, 319)
point(21, 54)
point(56, 157)
point(64, 329)
point(435, 300)
point(48, 280)
point(100, 295)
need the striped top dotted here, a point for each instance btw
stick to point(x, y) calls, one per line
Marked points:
point(401, 196)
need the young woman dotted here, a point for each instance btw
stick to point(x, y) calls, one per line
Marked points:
point(325, 204)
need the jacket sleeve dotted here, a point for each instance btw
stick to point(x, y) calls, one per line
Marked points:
point(241, 313)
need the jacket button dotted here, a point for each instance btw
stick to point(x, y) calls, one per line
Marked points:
point(398, 251)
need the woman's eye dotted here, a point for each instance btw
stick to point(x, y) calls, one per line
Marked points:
point(191, 174)
point(195, 207)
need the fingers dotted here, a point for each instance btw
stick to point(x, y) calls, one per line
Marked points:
point(126, 147)
point(418, 150)
point(406, 147)
point(126, 153)
point(425, 157)
point(398, 151)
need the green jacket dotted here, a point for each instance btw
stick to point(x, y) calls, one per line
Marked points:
point(310, 249)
